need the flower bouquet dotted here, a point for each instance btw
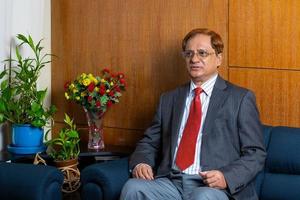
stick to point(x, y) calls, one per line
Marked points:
point(96, 94)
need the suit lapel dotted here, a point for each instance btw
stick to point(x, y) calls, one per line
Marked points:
point(178, 109)
point(217, 98)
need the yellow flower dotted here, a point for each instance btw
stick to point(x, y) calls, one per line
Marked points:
point(107, 91)
point(86, 82)
point(90, 76)
point(83, 94)
point(83, 75)
point(77, 97)
point(111, 83)
point(75, 90)
point(103, 80)
point(72, 86)
point(96, 89)
point(95, 80)
point(67, 96)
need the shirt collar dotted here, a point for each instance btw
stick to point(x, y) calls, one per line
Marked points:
point(207, 86)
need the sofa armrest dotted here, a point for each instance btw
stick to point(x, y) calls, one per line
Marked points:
point(28, 181)
point(104, 180)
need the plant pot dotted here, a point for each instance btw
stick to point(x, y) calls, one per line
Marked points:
point(72, 163)
point(71, 174)
point(25, 135)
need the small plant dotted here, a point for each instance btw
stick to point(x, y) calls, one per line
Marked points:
point(20, 101)
point(66, 145)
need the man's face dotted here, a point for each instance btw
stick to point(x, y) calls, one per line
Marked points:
point(204, 64)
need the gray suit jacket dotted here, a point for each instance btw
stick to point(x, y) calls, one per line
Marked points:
point(232, 139)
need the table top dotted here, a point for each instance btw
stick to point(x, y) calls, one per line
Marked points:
point(110, 152)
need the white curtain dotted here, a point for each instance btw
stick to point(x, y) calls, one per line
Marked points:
point(26, 17)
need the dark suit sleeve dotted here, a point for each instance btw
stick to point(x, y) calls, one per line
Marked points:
point(148, 147)
point(241, 172)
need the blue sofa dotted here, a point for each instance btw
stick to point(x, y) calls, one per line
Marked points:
point(280, 179)
point(30, 182)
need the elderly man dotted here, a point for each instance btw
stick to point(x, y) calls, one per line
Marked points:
point(205, 141)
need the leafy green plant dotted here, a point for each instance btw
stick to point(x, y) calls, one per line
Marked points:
point(66, 145)
point(20, 101)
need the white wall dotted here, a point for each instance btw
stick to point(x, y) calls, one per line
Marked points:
point(27, 17)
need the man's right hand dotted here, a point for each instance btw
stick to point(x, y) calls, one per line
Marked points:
point(143, 171)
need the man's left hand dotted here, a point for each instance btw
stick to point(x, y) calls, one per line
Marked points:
point(214, 179)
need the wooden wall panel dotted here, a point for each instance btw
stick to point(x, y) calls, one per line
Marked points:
point(276, 93)
point(141, 38)
point(264, 33)
point(264, 55)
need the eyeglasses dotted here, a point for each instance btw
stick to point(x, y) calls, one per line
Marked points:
point(200, 53)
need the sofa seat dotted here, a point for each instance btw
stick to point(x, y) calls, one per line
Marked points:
point(30, 182)
point(279, 180)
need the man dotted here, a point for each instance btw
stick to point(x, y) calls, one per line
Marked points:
point(206, 139)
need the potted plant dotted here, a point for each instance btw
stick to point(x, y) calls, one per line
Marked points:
point(21, 103)
point(65, 146)
point(64, 150)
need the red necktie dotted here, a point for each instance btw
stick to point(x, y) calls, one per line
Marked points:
point(186, 150)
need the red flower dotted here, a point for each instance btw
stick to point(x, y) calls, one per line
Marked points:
point(102, 87)
point(122, 81)
point(102, 91)
point(111, 93)
point(120, 75)
point(98, 104)
point(105, 70)
point(99, 94)
point(109, 103)
point(118, 89)
point(91, 87)
point(66, 85)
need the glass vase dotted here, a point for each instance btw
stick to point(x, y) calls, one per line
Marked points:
point(95, 126)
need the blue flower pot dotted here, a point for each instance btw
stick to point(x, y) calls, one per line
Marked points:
point(25, 135)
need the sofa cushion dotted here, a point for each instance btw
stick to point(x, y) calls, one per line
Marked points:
point(280, 187)
point(281, 180)
point(284, 151)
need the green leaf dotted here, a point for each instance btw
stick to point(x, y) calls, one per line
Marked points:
point(22, 38)
point(38, 123)
point(73, 134)
point(7, 93)
point(19, 57)
point(41, 95)
point(3, 74)
point(30, 42)
point(67, 119)
point(104, 100)
point(118, 94)
point(37, 46)
point(2, 119)
point(52, 109)
point(35, 107)
point(4, 84)
point(2, 106)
